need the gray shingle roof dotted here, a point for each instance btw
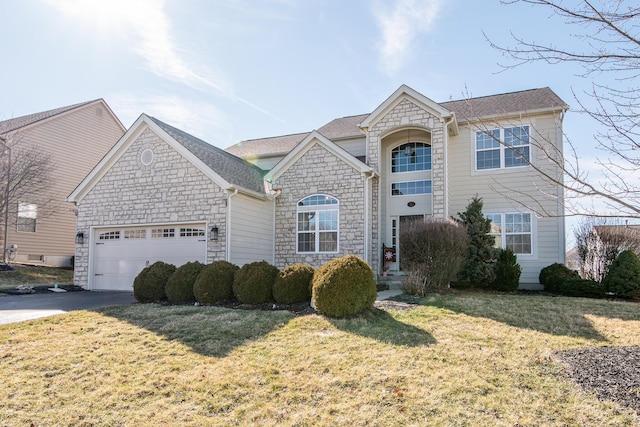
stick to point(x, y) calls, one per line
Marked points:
point(276, 145)
point(20, 122)
point(231, 168)
point(465, 109)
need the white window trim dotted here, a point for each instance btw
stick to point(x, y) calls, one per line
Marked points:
point(502, 169)
point(534, 232)
point(410, 195)
point(317, 208)
point(29, 207)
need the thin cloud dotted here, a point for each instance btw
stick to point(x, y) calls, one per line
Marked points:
point(149, 30)
point(400, 24)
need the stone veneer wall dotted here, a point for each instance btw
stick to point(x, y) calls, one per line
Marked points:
point(407, 114)
point(170, 189)
point(319, 171)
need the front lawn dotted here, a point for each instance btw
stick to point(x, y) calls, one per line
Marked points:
point(455, 359)
point(34, 275)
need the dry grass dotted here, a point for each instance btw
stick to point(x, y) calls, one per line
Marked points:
point(34, 275)
point(467, 359)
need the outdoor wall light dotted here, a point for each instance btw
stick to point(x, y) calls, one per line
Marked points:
point(80, 237)
point(213, 233)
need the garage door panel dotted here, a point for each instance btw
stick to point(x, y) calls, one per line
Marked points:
point(118, 260)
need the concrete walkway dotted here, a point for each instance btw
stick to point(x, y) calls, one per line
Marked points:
point(382, 295)
point(17, 308)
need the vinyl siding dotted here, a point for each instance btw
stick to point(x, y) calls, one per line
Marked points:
point(497, 188)
point(251, 230)
point(76, 141)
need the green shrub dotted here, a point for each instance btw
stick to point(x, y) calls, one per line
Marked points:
point(180, 285)
point(215, 282)
point(432, 252)
point(582, 288)
point(507, 272)
point(343, 287)
point(149, 284)
point(253, 283)
point(623, 277)
point(552, 276)
point(293, 284)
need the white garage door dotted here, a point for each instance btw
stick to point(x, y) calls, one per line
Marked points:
point(121, 253)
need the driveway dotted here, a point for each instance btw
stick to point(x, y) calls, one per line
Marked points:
point(17, 308)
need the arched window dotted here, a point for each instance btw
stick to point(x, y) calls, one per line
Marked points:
point(317, 224)
point(411, 157)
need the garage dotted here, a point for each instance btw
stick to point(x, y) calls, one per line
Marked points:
point(120, 253)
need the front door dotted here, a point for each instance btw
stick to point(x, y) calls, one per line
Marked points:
point(395, 227)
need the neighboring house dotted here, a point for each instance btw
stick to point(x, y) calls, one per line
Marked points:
point(348, 187)
point(42, 225)
point(602, 246)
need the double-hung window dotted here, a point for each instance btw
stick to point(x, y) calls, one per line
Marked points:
point(27, 217)
point(502, 148)
point(317, 224)
point(512, 230)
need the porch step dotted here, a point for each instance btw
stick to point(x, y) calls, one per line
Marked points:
point(392, 280)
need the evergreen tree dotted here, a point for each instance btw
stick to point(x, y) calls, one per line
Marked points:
point(479, 268)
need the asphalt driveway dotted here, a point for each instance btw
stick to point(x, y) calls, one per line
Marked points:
point(17, 308)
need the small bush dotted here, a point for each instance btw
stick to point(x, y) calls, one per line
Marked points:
point(215, 282)
point(432, 252)
point(552, 276)
point(149, 284)
point(180, 285)
point(623, 277)
point(253, 283)
point(293, 284)
point(343, 287)
point(507, 272)
point(582, 288)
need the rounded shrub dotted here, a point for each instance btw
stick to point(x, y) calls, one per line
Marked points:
point(577, 287)
point(552, 276)
point(253, 283)
point(343, 287)
point(215, 282)
point(149, 284)
point(180, 285)
point(293, 284)
point(507, 272)
point(623, 277)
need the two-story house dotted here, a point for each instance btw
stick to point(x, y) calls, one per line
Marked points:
point(49, 153)
point(347, 187)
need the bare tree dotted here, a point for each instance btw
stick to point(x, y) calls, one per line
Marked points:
point(608, 52)
point(26, 177)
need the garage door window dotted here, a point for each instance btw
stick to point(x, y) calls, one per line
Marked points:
point(159, 233)
point(109, 235)
point(135, 234)
point(191, 232)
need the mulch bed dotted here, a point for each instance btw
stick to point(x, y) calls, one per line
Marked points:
point(25, 290)
point(612, 373)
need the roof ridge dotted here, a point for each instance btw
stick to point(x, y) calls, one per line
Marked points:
point(275, 136)
point(494, 95)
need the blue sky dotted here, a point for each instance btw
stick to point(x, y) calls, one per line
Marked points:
point(229, 70)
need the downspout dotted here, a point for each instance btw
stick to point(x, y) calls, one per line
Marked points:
point(561, 213)
point(273, 239)
point(367, 227)
point(445, 159)
point(228, 225)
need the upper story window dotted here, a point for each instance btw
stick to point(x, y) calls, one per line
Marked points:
point(27, 217)
point(502, 148)
point(317, 224)
point(512, 230)
point(411, 157)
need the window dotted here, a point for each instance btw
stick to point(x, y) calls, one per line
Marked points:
point(512, 230)
point(411, 157)
point(27, 216)
point(159, 233)
point(109, 235)
point(191, 232)
point(317, 224)
point(135, 234)
point(411, 187)
point(513, 151)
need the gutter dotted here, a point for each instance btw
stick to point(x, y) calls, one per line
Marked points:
point(228, 224)
point(366, 214)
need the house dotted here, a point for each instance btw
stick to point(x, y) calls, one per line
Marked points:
point(62, 145)
point(347, 187)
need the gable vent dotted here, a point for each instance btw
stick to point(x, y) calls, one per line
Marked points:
point(99, 112)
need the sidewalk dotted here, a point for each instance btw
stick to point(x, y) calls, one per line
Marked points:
point(382, 295)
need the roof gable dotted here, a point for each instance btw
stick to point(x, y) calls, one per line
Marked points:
point(20, 123)
point(304, 146)
point(226, 170)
